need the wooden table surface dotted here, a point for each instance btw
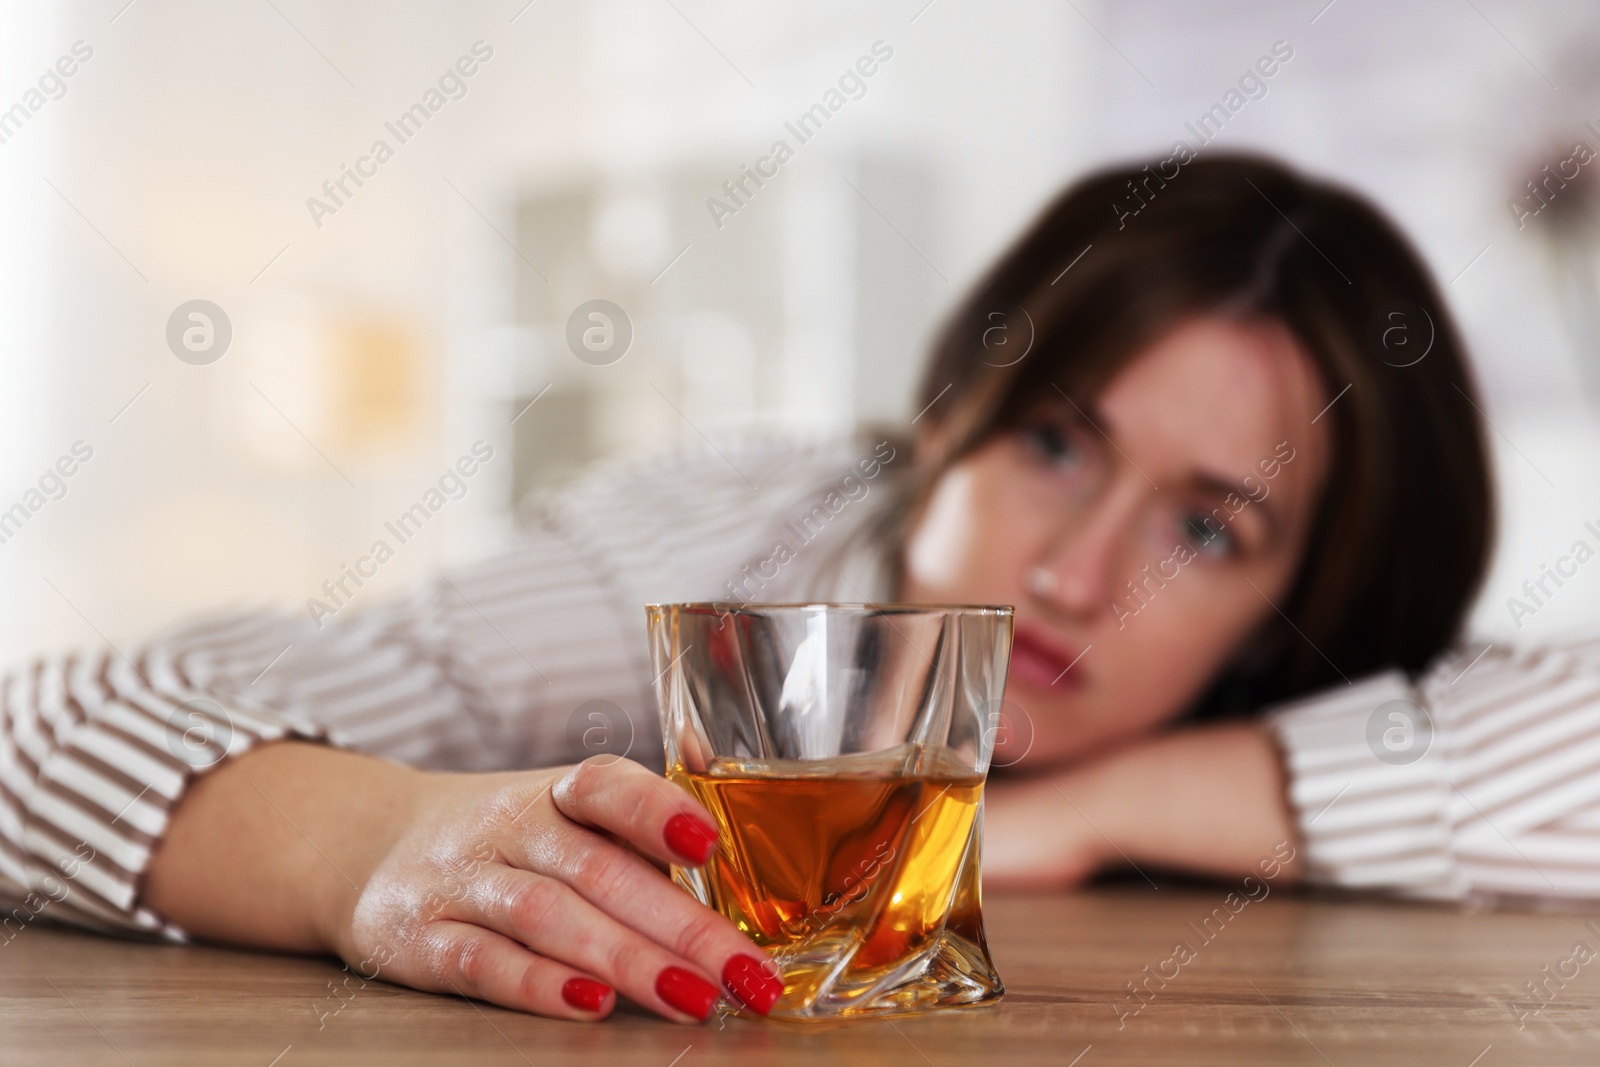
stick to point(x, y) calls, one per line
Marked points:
point(1287, 980)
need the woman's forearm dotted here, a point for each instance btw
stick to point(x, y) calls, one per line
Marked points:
point(265, 849)
point(1209, 800)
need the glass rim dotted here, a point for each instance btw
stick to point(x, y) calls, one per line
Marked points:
point(732, 607)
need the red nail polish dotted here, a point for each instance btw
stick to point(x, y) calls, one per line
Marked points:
point(686, 991)
point(585, 994)
point(754, 982)
point(690, 837)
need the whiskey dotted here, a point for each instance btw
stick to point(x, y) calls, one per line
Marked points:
point(853, 876)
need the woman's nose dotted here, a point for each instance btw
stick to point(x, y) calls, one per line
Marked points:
point(1079, 569)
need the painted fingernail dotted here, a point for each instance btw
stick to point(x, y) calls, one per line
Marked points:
point(753, 981)
point(690, 837)
point(686, 991)
point(585, 994)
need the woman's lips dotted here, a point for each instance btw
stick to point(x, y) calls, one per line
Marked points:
point(1040, 663)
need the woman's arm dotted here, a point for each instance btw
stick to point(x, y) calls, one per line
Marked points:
point(97, 750)
point(1209, 800)
point(1481, 779)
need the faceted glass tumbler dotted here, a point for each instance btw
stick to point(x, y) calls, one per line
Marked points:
point(842, 749)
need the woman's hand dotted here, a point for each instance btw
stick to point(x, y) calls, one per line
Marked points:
point(1208, 800)
point(532, 890)
point(1032, 838)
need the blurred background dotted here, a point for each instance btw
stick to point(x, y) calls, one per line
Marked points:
point(362, 332)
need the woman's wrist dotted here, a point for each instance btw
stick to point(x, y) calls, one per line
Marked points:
point(1033, 837)
point(271, 848)
point(356, 807)
point(1210, 800)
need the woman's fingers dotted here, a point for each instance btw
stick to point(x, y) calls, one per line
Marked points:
point(553, 920)
point(628, 800)
point(639, 806)
point(637, 896)
point(468, 959)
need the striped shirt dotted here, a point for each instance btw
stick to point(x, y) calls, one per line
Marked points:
point(1487, 783)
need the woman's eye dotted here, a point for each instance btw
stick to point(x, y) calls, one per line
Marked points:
point(1207, 540)
point(1053, 443)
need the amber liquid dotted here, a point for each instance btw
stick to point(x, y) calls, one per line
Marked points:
point(863, 870)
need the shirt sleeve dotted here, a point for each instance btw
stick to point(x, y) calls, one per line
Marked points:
point(479, 669)
point(1480, 779)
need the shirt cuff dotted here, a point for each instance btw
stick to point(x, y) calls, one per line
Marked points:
point(1369, 788)
point(105, 795)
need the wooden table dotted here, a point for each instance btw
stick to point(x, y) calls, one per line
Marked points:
point(1287, 980)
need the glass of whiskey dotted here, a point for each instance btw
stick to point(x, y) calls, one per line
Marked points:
point(842, 749)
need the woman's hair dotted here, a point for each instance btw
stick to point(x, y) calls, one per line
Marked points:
point(1401, 535)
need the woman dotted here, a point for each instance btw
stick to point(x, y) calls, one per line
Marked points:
point(1221, 454)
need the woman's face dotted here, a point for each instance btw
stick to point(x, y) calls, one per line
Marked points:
point(1142, 539)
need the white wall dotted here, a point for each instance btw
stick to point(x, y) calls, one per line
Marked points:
point(30, 440)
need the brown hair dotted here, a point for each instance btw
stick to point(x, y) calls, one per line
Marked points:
point(1402, 532)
